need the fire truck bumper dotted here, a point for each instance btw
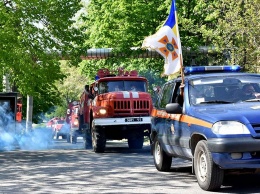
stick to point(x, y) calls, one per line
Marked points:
point(122, 121)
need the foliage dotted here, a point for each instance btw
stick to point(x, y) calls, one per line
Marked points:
point(70, 88)
point(34, 35)
point(238, 30)
point(231, 27)
point(123, 24)
point(130, 25)
point(228, 27)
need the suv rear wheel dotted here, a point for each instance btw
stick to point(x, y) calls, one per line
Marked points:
point(162, 161)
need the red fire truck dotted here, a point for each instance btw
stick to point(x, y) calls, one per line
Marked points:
point(73, 121)
point(116, 106)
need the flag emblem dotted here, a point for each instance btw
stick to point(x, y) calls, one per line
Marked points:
point(167, 42)
point(169, 47)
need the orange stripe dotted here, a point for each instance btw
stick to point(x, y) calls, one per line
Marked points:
point(181, 118)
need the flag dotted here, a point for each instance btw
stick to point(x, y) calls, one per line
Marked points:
point(167, 42)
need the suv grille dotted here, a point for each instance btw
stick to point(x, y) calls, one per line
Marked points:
point(256, 128)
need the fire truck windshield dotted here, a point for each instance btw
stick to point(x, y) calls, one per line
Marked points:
point(128, 85)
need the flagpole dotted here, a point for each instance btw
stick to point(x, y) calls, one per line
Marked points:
point(182, 77)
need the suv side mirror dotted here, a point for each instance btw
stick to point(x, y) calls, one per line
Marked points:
point(173, 108)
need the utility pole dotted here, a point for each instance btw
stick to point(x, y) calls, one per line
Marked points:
point(29, 113)
point(6, 84)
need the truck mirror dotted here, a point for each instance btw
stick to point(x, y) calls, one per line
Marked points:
point(156, 89)
point(87, 87)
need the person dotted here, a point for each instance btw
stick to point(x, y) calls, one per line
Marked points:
point(88, 92)
point(248, 92)
point(117, 88)
point(180, 97)
point(233, 93)
point(133, 88)
point(196, 94)
point(102, 88)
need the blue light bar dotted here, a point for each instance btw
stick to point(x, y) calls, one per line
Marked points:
point(96, 77)
point(208, 69)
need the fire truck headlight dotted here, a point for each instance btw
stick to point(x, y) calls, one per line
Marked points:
point(76, 122)
point(102, 111)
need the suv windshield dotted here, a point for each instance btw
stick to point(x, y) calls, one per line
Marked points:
point(224, 89)
point(111, 86)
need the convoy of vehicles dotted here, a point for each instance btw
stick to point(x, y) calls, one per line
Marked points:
point(216, 125)
point(211, 117)
point(116, 106)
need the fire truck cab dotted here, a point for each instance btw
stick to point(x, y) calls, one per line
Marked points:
point(116, 106)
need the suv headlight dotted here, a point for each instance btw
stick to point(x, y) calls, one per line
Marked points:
point(229, 128)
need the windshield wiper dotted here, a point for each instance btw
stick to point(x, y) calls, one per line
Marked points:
point(216, 102)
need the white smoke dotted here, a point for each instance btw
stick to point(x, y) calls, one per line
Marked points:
point(14, 136)
point(38, 139)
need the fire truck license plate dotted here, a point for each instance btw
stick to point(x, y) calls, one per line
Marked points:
point(133, 119)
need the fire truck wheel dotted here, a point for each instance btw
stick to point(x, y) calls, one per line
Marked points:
point(87, 140)
point(68, 138)
point(57, 135)
point(73, 139)
point(98, 140)
point(135, 141)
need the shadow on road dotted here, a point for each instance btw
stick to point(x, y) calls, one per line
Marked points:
point(68, 168)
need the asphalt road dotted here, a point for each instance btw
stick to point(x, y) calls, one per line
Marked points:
point(60, 167)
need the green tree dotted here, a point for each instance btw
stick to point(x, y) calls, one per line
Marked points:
point(232, 26)
point(122, 25)
point(239, 31)
point(70, 88)
point(34, 36)
point(225, 26)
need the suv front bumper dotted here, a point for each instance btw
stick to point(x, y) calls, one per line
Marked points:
point(248, 148)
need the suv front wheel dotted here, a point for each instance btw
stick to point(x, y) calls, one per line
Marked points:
point(208, 174)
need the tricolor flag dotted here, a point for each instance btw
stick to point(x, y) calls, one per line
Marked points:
point(167, 42)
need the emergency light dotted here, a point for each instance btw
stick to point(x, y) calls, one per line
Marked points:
point(211, 69)
point(97, 77)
